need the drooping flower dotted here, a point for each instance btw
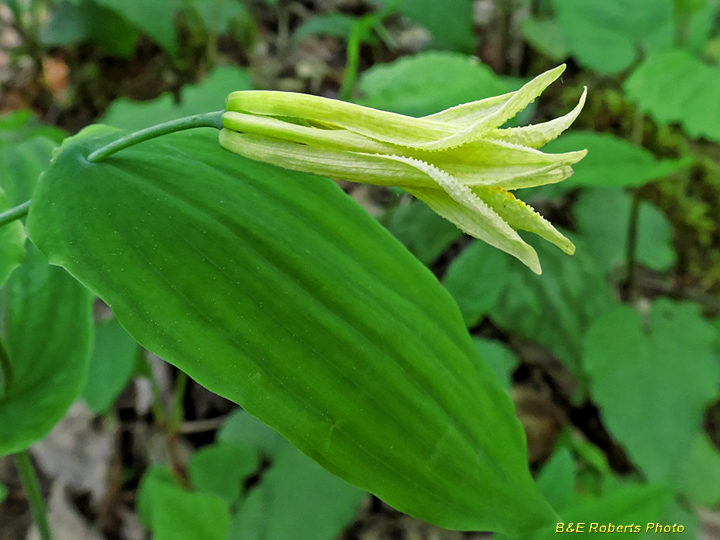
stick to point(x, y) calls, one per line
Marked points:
point(460, 162)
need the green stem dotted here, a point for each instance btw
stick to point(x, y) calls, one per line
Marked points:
point(176, 415)
point(14, 213)
point(631, 272)
point(213, 120)
point(30, 483)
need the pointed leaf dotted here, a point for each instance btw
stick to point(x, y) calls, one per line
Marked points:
point(275, 290)
point(48, 336)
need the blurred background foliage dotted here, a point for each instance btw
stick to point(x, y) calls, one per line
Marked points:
point(612, 356)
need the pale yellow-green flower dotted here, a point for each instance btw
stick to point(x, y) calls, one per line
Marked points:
point(458, 161)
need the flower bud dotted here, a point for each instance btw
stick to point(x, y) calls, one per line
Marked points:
point(460, 162)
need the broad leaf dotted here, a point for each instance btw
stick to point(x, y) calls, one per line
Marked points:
point(421, 230)
point(296, 498)
point(555, 308)
point(338, 25)
point(173, 513)
point(450, 22)
point(546, 36)
point(603, 216)
point(612, 161)
point(557, 479)
point(47, 332)
point(111, 366)
point(604, 36)
point(48, 336)
point(475, 278)
point(277, 291)
point(499, 357)
point(418, 85)
point(653, 383)
point(12, 243)
point(156, 19)
point(690, 103)
point(73, 23)
point(220, 469)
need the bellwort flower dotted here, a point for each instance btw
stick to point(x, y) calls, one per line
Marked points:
point(460, 162)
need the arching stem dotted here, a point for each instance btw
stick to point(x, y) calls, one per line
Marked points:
point(16, 212)
point(212, 120)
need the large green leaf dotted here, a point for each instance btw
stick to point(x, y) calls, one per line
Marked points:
point(555, 308)
point(73, 23)
point(47, 331)
point(604, 36)
point(156, 19)
point(277, 291)
point(418, 85)
point(296, 498)
point(173, 513)
point(421, 230)
point(12, 243)
point(612, 161)
point(603, 217)
point(653, 382)
point(450, 22)
point(475, 278)
point(221, 469)
point(111, 365)
point(692, 101)
point(48, 337)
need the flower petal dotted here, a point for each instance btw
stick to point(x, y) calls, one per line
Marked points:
point(458, 204)
point(497, 107)
point(520, 215)
point(339, 164)
point(540, 134)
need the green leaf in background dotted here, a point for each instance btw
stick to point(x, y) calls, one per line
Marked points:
point(111, 365)
point(3, 493)
point(339, 25)
point(156, 19)
point(73, 23)
point(206, 96)
point(692, 101)
point(422, 231)
point(173, 513)
point(20, 166)
point(475, 279)
point(602, 217)
point(296, 497)
point(220, 469)
point(653, 383)
point(227, 267)
point(555, 308)
point(22, 124)
point(557, 479)
point(47, 332)
point(546, 36)
point(450, 22)
point(418, 85)
point(499, 357)
point(603, 36)
point(48, 337)
point(242, 428)
point(633, 504)
point(699, 476)
point(612, 161)
point(12, 243)
point(219, 15)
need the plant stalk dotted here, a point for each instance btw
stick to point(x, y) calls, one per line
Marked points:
point(14, 213)
point(30, 483)
point(632, 240)
point(212, 120)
